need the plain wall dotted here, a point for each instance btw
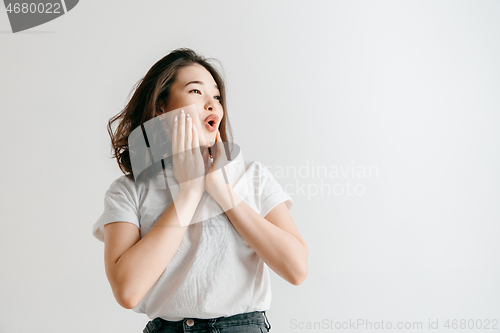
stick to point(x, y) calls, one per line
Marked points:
point(397, 100)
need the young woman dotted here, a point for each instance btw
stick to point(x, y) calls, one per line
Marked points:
point(168, 252)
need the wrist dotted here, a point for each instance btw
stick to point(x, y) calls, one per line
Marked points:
point(191, 194)
point(185, 205)
point(225, 197)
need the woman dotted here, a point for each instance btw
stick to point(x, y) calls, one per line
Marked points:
point(160, 259)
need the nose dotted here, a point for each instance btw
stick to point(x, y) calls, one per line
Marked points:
point(209, 107)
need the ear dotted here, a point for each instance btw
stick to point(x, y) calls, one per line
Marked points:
point(161, 107)
point(159, 111)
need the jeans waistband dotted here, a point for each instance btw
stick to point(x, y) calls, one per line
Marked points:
point(249, 318)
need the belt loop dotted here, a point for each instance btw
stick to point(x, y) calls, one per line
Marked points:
point(211, 325)
point(267, 321)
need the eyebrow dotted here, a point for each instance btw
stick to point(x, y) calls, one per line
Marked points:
point(199, 82)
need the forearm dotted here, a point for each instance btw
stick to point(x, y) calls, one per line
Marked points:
point(140, 266)
point(280, 250)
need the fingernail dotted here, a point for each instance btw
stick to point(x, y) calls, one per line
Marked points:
point(175, 118)
point(187, 115)
point(182, 110)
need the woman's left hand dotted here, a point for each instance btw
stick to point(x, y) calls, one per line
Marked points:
point(215, 184)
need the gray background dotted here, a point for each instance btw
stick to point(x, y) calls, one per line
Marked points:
point(408, 87)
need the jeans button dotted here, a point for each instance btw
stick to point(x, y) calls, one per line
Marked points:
point(190, 322)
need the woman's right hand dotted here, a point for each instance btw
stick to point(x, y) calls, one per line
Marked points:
point(188, 164)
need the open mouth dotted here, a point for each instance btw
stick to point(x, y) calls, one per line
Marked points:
point(211, 122)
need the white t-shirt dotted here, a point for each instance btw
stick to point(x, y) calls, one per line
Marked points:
point(214, 272)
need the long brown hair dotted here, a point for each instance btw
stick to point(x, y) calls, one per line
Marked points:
point(151, 94)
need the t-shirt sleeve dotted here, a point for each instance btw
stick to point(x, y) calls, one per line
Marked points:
point(271, 193)
point(120, 205)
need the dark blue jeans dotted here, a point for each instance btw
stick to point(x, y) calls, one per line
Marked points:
point(251, 322)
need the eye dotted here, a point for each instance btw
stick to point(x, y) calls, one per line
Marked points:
point(217, 98)
point(196, 91)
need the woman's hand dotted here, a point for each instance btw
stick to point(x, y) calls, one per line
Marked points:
point(214, 180)
point(189, 169)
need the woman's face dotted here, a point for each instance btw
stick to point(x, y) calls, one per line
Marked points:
point(195, 85)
